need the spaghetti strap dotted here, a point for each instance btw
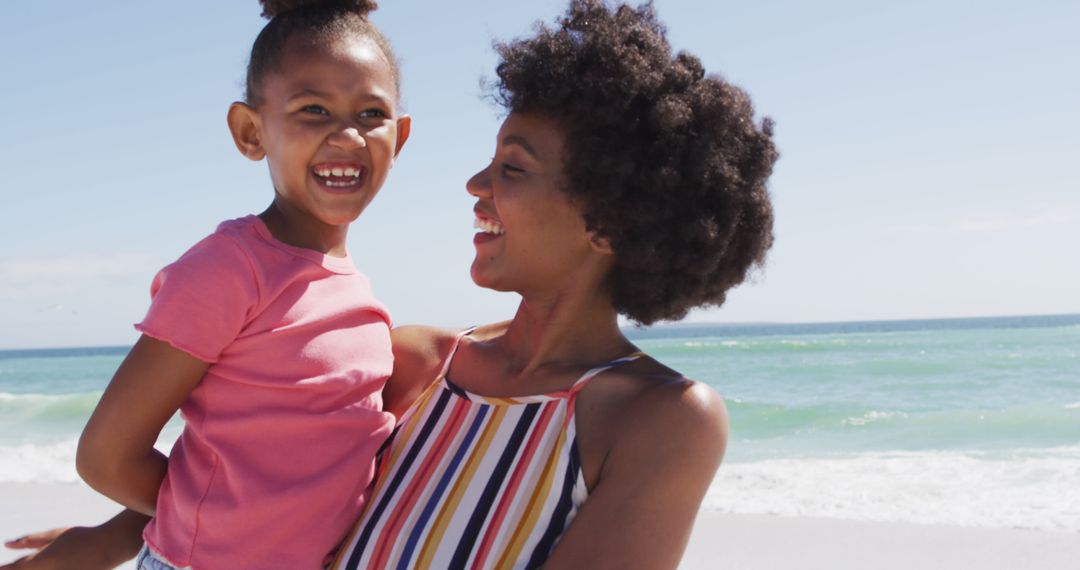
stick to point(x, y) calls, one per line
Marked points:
point(452, 352)
point(585, 378)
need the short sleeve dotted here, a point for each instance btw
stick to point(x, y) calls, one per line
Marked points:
point(201, 303)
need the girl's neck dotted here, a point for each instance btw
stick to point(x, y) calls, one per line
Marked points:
point(293, 228)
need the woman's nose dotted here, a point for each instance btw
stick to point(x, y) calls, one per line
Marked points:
point(348, 138)
point(480, 183)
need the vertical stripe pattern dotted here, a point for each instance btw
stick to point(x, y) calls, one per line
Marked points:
point(472, 482)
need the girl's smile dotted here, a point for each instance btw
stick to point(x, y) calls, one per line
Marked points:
point(336, 176)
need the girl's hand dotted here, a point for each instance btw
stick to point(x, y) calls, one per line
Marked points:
point(107, 545)
point(74, 547)
point(37, 540)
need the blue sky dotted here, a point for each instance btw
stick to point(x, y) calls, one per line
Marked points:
point(928, 163)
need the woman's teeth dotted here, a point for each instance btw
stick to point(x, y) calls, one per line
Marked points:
point(488, 226)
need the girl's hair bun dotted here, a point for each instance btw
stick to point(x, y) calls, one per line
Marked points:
point(272, 8)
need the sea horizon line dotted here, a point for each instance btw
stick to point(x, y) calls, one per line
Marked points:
point(634, 331)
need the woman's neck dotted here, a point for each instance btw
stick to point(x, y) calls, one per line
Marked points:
point(565, 330)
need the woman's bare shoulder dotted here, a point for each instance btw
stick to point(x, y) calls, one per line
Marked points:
point(649, 405)
point(668, 398)
point(654, 442)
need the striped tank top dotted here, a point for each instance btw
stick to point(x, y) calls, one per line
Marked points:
point(468, 481)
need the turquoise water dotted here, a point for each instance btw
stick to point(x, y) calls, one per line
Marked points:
point(803, 392)
point(963, 421)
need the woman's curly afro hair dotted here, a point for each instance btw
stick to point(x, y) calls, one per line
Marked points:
point(317, 21)
point(667, 161)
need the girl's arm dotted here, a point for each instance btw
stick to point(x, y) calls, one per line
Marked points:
point(98, 547)
point(642, 509)
point(116, 454)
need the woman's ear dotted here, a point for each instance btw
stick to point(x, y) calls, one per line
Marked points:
point(600, 244)
point(245, 126)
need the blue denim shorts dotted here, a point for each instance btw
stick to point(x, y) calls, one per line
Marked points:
point(149, 560)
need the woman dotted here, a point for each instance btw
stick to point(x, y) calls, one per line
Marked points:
point(624, 181)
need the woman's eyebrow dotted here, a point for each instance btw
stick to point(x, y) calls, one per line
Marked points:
point(521, 142)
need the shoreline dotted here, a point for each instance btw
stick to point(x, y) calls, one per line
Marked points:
point(889, 324)
point(719, 540)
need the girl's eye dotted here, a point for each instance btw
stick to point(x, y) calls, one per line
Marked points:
point(373, 113)
point(315, 109)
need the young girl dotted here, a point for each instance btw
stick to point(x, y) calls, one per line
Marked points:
point(264, 335)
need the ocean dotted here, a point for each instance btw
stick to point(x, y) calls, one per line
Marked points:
point(972, 422)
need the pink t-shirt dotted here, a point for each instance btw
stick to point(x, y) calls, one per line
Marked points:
point(281, 434)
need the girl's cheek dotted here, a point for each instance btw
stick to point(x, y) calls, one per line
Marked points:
point(384, 135)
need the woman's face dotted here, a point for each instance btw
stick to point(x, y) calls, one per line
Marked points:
point(532, 236)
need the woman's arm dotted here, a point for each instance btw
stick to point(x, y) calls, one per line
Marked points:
point(91, 548)
point(642, 508)
point(116, 454)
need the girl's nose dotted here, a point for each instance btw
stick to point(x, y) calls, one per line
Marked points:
point(480, 183)
point(347, 138)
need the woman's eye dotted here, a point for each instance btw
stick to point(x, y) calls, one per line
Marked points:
point(315, 109)
point(508, 169)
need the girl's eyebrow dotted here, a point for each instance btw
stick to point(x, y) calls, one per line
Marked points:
point(309, 93)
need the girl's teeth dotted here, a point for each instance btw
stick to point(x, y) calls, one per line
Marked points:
point(347, 171)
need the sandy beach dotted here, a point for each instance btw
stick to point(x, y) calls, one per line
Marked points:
point(720, 541)
point(763, 542)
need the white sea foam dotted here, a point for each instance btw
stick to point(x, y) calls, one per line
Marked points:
point(1038, 489)
point(871, 417)
point(54, 462)
point(713, 344)
point(1073, 406)
point(19, 402)
point(8, 397)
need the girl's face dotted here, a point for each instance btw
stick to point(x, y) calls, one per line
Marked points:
point(327, 123)
point(532, 237)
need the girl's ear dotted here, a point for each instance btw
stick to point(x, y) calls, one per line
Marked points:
point(404, 126)
point(246, 131)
